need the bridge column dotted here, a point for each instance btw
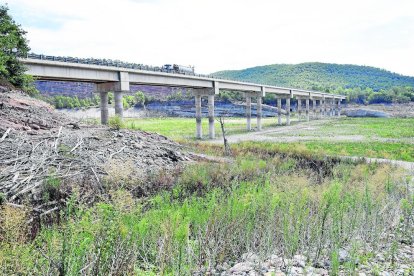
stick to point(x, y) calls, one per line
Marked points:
point(324, 107)
point(119, 108)
point(339, 108)
point(248, 111)
point(259, 112)
point(288, 111)
point(211, 130)
point(331, 107)
point(321, 108)
point(314, 115)
point(299, 109)
point(104, 108)
point(307, 109)
point(279, 111)
point(199, 130)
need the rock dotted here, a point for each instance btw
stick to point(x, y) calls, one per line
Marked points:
point(366, 113)
point(276, 261)
point(299, 260)
point(295, 270)
point(321, 271)
point(34, 126)
point(343, 256)
point(241, 267)
point(251, 258)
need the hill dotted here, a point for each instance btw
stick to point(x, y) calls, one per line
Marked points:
point(315, 75)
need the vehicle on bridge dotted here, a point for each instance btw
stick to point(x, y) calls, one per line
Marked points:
point(180, 69)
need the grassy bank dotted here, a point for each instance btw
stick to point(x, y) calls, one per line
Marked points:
point(264, 202)
point(184, 128)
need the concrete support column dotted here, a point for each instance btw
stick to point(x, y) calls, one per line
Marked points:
point(339, 108)
point(259, 113)
point(315, 115)
point(211, 130)
point(119, 108)
point(307, 109)
point(331, 107)
point(321, 108)
point(288, 111)
point(248, 111)
point(199, 130)
point(299, 109)
point(104, 108)
point(279, 111)
point(325, 110)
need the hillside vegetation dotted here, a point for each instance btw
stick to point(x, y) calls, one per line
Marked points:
point(312, 75)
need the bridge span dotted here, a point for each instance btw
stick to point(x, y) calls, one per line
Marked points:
point(118, 79)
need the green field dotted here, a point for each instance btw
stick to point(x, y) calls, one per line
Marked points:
point(391, 138)
point(184, 128)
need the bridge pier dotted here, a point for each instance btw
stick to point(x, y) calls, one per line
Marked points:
point(299, 100)
point(339, 108)
point(288, 111)
point(104, 108)
point(279, 111)
point(248, 112)
point(307, 109)
point(314, 115)
point(198, 94)
point(119, 108)
point(199, 129)
point(259, 112)
point(211, 130)
point(324, 108)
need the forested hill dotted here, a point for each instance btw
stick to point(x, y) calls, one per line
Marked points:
point(315, 75)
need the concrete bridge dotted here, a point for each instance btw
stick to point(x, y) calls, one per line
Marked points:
point(117, 80)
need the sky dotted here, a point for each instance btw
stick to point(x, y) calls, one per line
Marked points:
point(219, 35)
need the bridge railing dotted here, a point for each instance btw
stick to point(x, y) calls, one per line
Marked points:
point(109, 62)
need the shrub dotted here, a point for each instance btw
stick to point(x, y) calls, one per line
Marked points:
point(116, 122)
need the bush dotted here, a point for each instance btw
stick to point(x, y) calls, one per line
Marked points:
point(116, 122)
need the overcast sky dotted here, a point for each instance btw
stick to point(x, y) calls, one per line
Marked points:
point(216, 35)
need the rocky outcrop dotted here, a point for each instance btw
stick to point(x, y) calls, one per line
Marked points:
point(360, 112)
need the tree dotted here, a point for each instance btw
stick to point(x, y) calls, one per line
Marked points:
point(13, 45)
point(139, 98)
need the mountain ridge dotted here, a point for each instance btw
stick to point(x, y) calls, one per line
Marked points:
point(319, 75)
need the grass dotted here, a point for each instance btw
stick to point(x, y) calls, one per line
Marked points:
point(184, 128)
point(374, 131)
point(395, 151)
point(213, 213)
point(372, 127)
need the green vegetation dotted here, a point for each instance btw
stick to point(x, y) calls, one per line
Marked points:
point(116, 122)
point(72, 102)
point(315, 75)
point(128, 101)
point(395, 151)
point(389, 138)
point(184, 128)
point(13, 45)
point(213, 213)
point(362, 84)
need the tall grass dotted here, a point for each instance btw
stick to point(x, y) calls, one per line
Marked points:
point(214, 213)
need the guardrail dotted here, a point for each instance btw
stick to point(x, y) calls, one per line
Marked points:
point(111, 63)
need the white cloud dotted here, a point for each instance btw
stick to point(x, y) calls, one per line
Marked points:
point(224, 34)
